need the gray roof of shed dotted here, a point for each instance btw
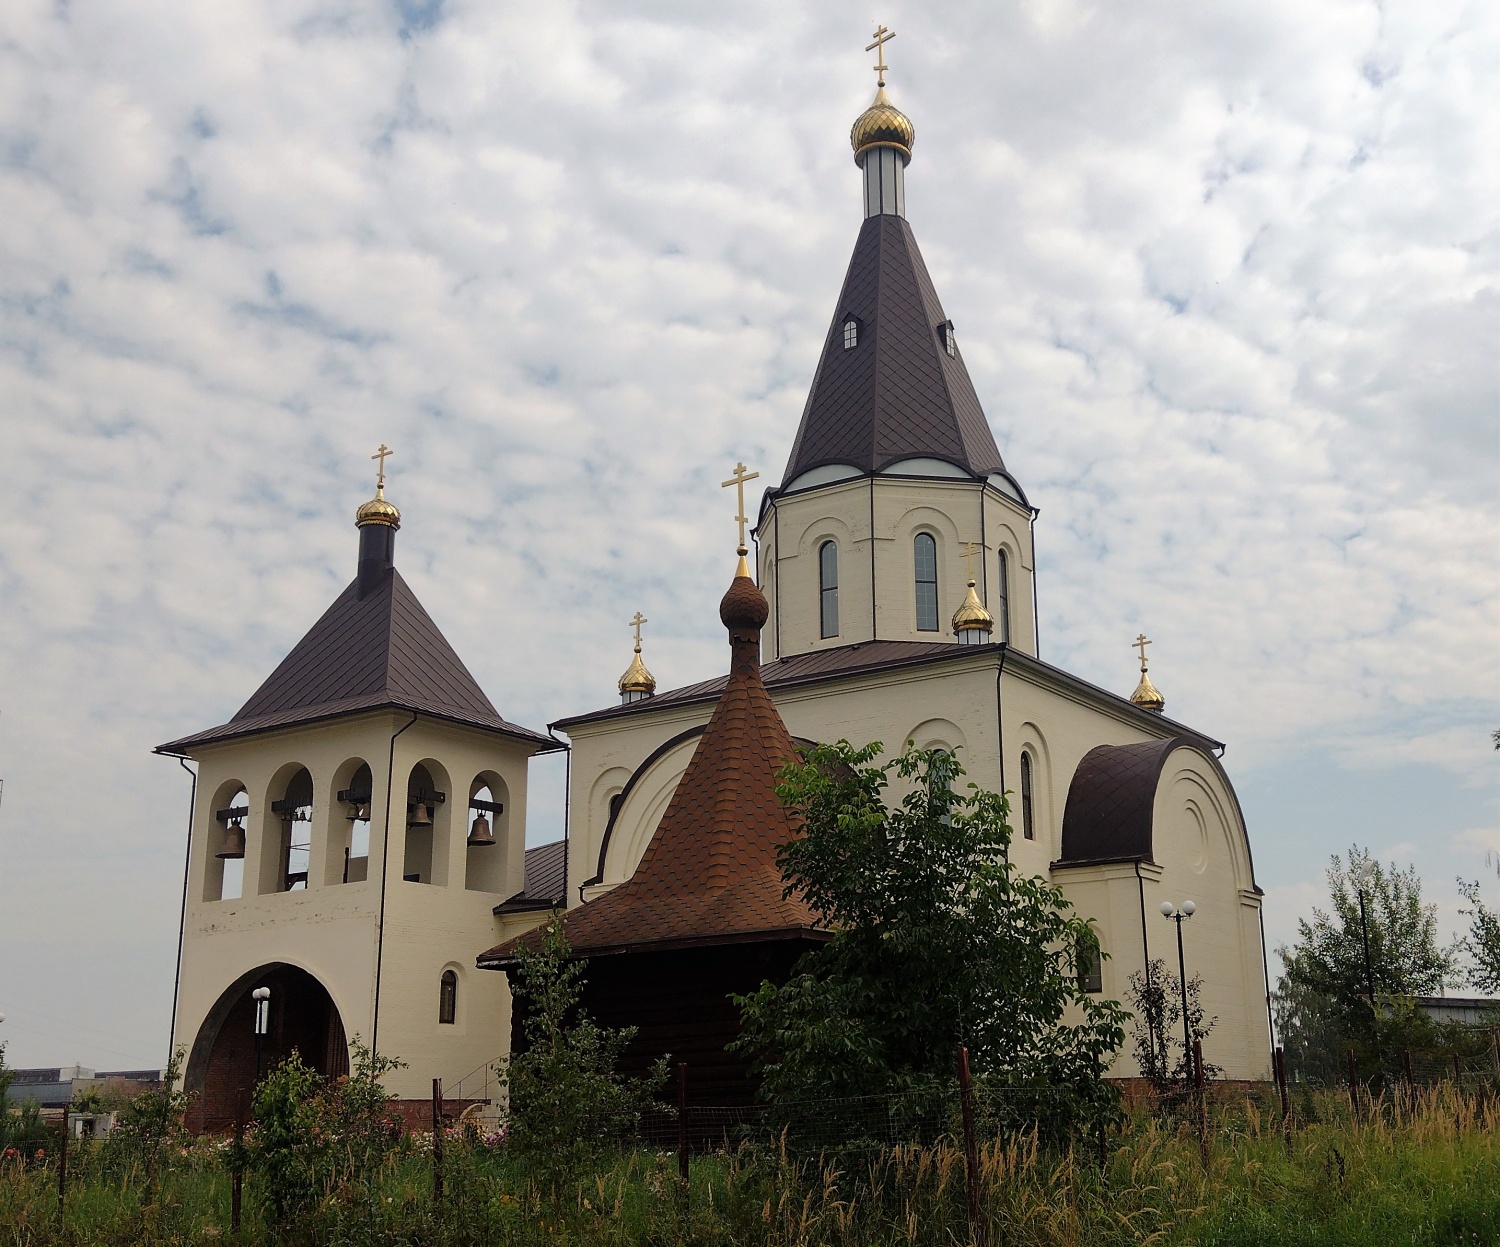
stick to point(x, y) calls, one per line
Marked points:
point(366, 653)
point(898, 394)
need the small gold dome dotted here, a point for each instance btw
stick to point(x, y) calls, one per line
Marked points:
point(378, 511)
point(971, 616)
point(882, 125)
point(636, 678)
point(1146, 696)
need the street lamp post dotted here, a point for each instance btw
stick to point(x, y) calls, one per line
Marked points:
point(1180, 914)
point(262, 998)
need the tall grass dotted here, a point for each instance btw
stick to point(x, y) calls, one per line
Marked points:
point(1418, 1170)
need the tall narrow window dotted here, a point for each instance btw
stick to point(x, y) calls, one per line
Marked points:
point(1091, 972)
point(1028, 804)
point(851, 334)
point(828, 587)
point(924, 555)
point(1002, 598)
point(448, 998)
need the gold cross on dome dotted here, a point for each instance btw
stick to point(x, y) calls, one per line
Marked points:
point(636, 624)
point(882, 37)
point(738, 481)
point(1140, 643)
point(382, 454)
point(971, 548)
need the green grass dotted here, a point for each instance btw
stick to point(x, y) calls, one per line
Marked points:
point(1427, 1173)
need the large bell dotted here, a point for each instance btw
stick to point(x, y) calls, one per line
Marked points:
point(234, 842)
point(359, 812)
point(480, 836)
point(421, 816)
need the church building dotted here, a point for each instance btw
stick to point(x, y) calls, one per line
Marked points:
point(359, 826)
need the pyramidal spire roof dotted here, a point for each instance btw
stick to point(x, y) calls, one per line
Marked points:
point(893, 386)
point(374, 648)
point(897, 393)
point(709, 875)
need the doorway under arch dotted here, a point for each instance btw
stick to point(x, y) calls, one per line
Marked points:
point(221, 1065)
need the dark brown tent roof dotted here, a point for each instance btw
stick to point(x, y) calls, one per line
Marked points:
point(897, 394)
point(366, 653)
point(709, 875)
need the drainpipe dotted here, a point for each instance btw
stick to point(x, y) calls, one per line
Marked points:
point(187, 862)
point(385, 870)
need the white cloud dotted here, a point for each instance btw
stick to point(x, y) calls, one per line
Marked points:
point(1225, 277)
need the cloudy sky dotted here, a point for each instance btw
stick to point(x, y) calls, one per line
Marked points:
point(1225, 275)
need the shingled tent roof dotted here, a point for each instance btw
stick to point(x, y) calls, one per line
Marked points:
point(709, 875)
point(366, 653)
point(897, 394)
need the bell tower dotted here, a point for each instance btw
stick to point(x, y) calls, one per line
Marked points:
point(356, 825)
point(894, 472)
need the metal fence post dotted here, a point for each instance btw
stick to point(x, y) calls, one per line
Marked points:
point(1353, 1086)
point(437, 1142)
point(1200, 1094)
point(237, 1170)
point(1278, 1065)
point(682, 1124)
point(62, 1167)
point(971, 1151)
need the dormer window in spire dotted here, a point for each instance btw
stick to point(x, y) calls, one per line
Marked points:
point(947, 338)
point(851, 332)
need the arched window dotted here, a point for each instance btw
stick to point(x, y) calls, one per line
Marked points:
point(851, 333)
point(1002, 598)
point(828, 587)
point(448, 998)
point(1028, 803)
point(924, 555)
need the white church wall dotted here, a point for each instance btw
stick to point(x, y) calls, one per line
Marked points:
point(330, 928)
point(952, 511)
point(1199, 840)
point(954, 705)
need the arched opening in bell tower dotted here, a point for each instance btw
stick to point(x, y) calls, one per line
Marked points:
point(348, 838)
point(425, 853)
point(301, 1018)
point(288, 831)
point(224, 868)
point(488, 842)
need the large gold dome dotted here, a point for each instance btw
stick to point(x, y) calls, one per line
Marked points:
point(882, 125)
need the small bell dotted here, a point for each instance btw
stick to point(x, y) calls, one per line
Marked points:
point(421, 817)
point(234, 842)
point(359, 812)
point(480, 836)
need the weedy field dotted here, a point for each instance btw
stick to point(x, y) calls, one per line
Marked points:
point(1423, 1169)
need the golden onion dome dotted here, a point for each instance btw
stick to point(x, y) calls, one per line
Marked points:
point(882, 125)
point(378, 511)
point(636, 678)
point(1146, 695)
point(971, 616)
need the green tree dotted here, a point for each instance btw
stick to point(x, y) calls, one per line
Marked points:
point(1344, 971)
point(1481, 946)
point(314, 1136)
point(568, 1102)
point(1155, 1000)
point(938, 941)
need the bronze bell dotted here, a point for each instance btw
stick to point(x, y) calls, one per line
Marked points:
point(480, 836)
point(234, 842)
point(359, 812)
point(421, 817)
